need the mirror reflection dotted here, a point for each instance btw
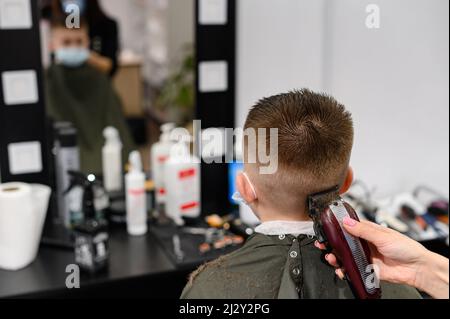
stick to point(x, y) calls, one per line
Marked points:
point(124, 64)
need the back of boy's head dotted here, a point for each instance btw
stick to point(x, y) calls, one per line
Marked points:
point(315, 140)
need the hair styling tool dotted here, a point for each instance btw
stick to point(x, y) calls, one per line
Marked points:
point(439, 208)
point(389, 220)
point(328, 209)
point(437, 203)
point(427, 195)
point(372, 211)
point(410, 214)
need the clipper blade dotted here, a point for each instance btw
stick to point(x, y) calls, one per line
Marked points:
point(319, 201)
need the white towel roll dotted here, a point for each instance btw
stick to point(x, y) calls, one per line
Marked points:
point(23, 209)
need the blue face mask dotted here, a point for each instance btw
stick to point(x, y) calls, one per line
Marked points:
point(237, 197)
point(80, 3)
point(72, 57)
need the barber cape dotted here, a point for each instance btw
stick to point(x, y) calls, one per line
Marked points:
point(85, 97)
point(280, 261)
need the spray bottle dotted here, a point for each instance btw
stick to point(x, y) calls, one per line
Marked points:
point(67, 158)
point(136, 197)
point(182, 179)
point(91, 235)
point(159, 155)
point(112, 160)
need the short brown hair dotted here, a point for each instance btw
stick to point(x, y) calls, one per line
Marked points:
point(315, 140)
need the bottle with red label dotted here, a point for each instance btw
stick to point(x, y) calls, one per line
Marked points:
point(159, 155)
point(182, 181)
point(136, 197)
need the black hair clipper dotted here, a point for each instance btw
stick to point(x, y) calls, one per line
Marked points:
point(328, 209)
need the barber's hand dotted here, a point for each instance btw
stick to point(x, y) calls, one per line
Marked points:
point(399, 258)
point(101, 63)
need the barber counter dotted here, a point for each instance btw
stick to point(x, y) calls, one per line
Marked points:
point(139, 267)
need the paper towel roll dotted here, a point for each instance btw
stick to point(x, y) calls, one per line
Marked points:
point(23, 209)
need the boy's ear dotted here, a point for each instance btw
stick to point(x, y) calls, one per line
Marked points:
point(348, 181)
point(245, 188)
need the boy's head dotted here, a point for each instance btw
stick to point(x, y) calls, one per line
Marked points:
point(315, 140)
point(70, 46)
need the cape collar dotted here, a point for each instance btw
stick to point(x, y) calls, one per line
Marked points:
point(277, 228)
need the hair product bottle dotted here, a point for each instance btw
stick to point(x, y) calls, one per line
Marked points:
point(159, 155)
point(182, 178)
point(67, 158)
point(91, 235)
point(136, 197)
point(112, 160)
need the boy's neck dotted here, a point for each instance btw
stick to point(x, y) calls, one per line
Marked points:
point(276, 217)
point(266, 213)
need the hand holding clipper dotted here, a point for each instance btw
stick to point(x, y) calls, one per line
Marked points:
point(328, 209)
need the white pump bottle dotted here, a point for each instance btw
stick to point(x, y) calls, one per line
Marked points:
point(159, 155)
point(112, 160)
point(182, 179)
point(136, 197)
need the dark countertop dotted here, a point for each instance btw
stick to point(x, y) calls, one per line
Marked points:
point(135, 263)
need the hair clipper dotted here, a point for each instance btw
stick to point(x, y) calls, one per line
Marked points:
point(328, 209)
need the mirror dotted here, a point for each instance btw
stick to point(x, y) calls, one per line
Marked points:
point(126, 64)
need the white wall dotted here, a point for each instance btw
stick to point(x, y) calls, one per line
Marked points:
point(394, 79)
point(279, 48)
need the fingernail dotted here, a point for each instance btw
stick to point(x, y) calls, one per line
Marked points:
point(350, 222)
